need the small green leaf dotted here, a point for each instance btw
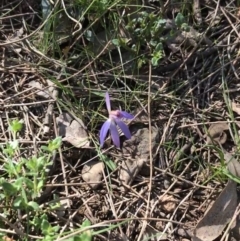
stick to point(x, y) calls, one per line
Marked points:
point(2, 196)
point(16, 125)
point(19, 183)
point(179, 20)
point(19, 202)
point(185, 27)
point(54, 144)
point(14, 144)
point(40, 184)
point(154, 61)
point(141, 62)
point(31, 163)
point(159, 47)
point(55, 229)
point(86, 223)
point(29, 183)
point(112, 165)
point(36, 221)
point(45, 226)
point(116, 42)
point(41, 161)
point(86, 235)
point(153, 43)
point(33, 205)
point(9, 188)
point(161, 22)
point(10, 148)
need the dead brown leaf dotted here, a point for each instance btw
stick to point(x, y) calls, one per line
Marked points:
point(92, 173)
point(236, 108)
point(169, 203)
point(218, 216)
point(44, 91)
point(73, 131)
point(129, 169)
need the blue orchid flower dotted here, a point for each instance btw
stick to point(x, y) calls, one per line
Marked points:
point(113, 122)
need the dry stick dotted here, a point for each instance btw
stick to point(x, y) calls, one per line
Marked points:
point(197, 11)
point(86, 66)
point(171, 218)
point(169, 188)
point(73, 19)
point(229, 20)
point(91, 62)
point(210, 123)
point(3, 131)
point(89, 27)
point(235, 216)
point(237, 40)
point(233, 167)
point(72, 215)
point(137, 194)
point(18, 15)
point(191, 54)
point(7, 231)
point(64, 177)
point(20, 93)
point(180, 64)
point(203, 54)
point(32, 103)
point(17, 230)
point(50, 187)
point(172, 115)
point(111, 203)
point(35, 31)
point(54, 95)
point(137, 99)
point(106, 224)
point(150, 152)
point(47, 121)
point(228, 54)
point(182, 179)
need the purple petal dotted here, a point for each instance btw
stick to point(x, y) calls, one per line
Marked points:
point(104, 130)
point(114, 134)
point(108, 104)
point(126, 115)
point(124, 128)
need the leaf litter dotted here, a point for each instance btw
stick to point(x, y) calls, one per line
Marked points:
point(222, 211)
point(92, 173)
point(73, 131)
